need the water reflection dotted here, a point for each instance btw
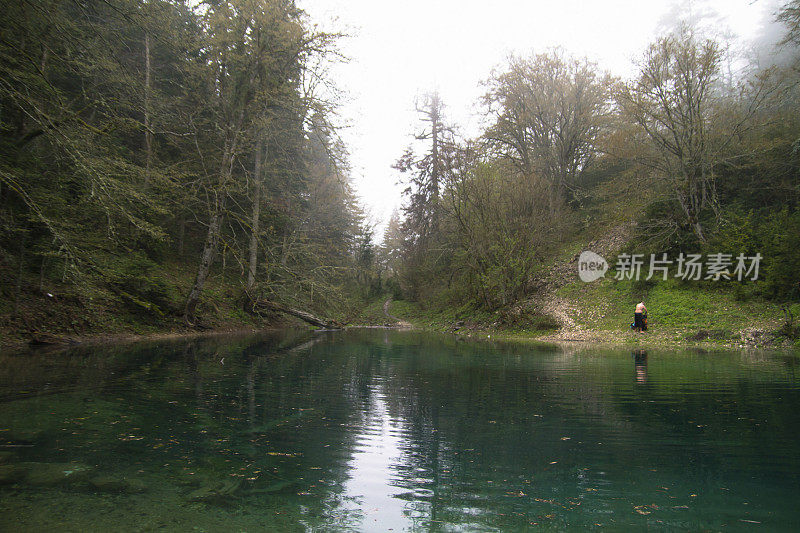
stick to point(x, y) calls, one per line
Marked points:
point(640, 365)
point(370, 492)
point(371, 430)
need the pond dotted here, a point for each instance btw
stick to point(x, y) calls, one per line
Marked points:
point(377, 430)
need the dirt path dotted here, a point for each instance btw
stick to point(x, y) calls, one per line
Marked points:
point(575, 318)
point(400, 323)
point(565, 271)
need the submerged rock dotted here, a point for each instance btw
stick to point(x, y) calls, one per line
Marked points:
point(11, 474)
point(108, 483)
point(5, 457)
point(136, 486)
point(51, 474)
point(217, 493)
point(275, 487)
point(22, 436)
point(111, 483)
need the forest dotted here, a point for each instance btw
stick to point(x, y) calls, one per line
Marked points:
point(699, 150)
point(169, 163)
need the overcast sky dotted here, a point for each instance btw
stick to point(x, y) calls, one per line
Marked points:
point(401, 49)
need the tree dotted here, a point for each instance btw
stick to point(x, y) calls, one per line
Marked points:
point(295, 118)
point(675, 104)
point(130, 126)
point(236, 56)
point(499, 228)
point(393, 244)
point(70, 106)
point(425, 173)
point(547, 111)
point(790, 16)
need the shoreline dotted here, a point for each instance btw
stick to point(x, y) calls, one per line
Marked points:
point(563, 337)
point(668, 339)
point(54, 341)
point(588, 325)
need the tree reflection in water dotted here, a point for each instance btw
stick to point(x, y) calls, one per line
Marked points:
point(372, 429)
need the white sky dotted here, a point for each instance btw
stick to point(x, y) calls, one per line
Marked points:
point(401, 49)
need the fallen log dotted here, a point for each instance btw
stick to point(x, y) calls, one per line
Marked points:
point(302, 315)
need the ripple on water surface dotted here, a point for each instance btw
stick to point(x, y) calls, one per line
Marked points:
point(371, 430)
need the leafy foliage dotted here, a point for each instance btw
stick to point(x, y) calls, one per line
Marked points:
point(129, 132)
point(702, 162)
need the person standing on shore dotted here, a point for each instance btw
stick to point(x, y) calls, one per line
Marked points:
point(639, 316)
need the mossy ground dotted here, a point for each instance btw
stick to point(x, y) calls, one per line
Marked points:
point(372, 314)
point(679, 315)
point(608, 305)
point(64, 311)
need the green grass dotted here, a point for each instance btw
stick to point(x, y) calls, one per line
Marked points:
point(525, 323)
point(372, 314)
point(438, 318)
point(683, 310)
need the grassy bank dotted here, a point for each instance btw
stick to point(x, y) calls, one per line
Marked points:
point(62, 319)
point(677, 313)
point(63, 313)
point(602, 312)
point(607, 306)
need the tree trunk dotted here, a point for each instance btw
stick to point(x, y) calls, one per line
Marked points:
point(692, 217)
point(435, 154)
point(698, 231)
point(215, 223)
point(41, 274)
point(181, 234)
point(285, 247)
point(20, 271)
point(302, 315)
point(254, 225)
point(207, 257)
point(148, 136)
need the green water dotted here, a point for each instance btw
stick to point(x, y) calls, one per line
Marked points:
point(372, 430)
